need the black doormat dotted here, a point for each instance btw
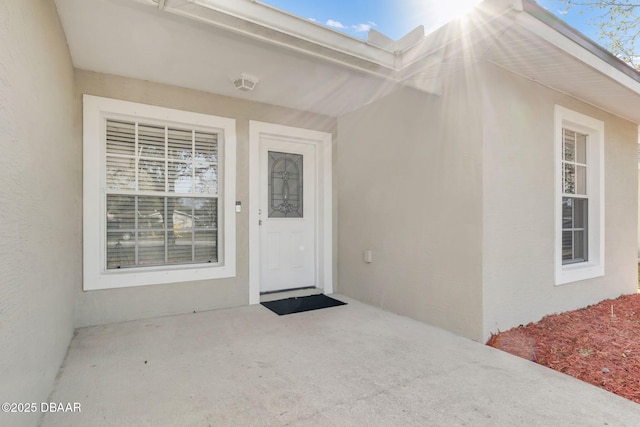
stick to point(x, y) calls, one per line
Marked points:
point(300, 304)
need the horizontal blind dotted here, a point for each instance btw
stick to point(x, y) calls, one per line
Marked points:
point(575, 203)
point(162, 195)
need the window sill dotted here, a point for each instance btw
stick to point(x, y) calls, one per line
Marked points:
point(577, 272)
point(128, 277)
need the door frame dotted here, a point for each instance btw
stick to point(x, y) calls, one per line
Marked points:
point(324, 207)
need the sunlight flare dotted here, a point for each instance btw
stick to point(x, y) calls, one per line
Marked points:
point(446, 11)
point(435, 13)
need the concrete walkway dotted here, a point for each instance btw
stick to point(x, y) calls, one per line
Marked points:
point(353, 365)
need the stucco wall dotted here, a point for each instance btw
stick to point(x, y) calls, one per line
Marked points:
point(409, 189)
point(40, 203)
point(518, 177)
point(114, 305)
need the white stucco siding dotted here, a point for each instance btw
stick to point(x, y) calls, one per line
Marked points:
point(409, 190)
point(519, 204)
point(40, 203)
point(115, 305)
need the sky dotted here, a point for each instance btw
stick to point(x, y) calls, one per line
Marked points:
point(395, 18)
point(580, 18)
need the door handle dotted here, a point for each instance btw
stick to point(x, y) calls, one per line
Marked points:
point(259, 222)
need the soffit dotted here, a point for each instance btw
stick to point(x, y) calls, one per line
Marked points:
point(136, 39)
point(561, 59)
point(524, 53)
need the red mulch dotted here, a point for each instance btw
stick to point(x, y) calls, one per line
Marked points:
point(599, 344)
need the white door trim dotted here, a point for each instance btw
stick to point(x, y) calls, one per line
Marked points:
point(324, 226)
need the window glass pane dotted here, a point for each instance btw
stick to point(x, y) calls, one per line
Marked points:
point(206, 181)
point(120, 231)
point(121, 138)
point(567, 212)
point(180, 212)
point(581, 180)
point(569, 183)
point(206, 213)
point(579, 245)
point(151, 175)
point(151, 213)
point(121, 173)
point(580, 213)
point(150, 248)
point(567, 246)
point(121, 212)
point(180, 144)
point(285, 185)
point(150, 141)
point(120, 249)
point(206, 246)
point(180, 251)
point(574, 233)
point(206, 147)
point(206, 230)
point(569, 145)
point(180, 177)
point(581, 148)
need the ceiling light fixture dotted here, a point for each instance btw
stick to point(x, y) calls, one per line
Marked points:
point(245, 82)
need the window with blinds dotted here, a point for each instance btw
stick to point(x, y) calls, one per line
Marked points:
point(575, 201)
point(579, 205)
point(161, 194)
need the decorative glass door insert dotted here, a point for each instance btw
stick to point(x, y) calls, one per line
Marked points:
point(285, 185)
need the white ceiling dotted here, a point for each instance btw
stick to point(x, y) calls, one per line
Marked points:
point(134, 39)
point(208, 48)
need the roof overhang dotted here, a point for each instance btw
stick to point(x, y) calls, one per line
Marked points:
point(524, 38)
point(541, 47)
point(262, 22)
point(201, 44)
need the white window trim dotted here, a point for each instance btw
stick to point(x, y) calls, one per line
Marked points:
point(594, 267)
point(95, 275)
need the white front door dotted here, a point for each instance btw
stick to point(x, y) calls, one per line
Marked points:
point(287, 213)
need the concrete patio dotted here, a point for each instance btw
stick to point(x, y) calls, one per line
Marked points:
point(350, 365)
